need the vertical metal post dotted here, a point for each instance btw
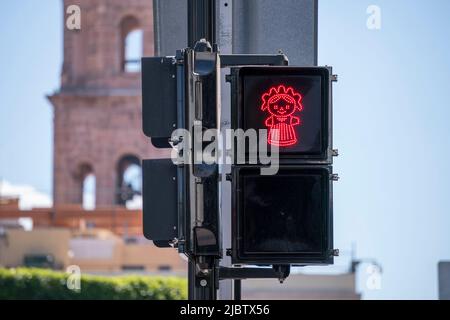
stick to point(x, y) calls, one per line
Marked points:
point(202, 25)
point(169, 20)
point(237, 289)
point(266, 26)
point(201, 21)
point(225, 42)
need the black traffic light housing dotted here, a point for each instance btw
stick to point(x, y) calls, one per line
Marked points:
point(159, 99)
point(181, 197)
point(160, 176)
point(314, 132)
point(284, 218)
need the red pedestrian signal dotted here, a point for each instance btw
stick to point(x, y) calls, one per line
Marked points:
point(292, 103)
point(281, 103)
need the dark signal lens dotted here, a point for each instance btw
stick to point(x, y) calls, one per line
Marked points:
point(284, 215)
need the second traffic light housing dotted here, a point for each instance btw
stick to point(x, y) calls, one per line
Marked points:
point(283, 218)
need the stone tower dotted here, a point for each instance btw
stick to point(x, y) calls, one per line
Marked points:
point(97, 110)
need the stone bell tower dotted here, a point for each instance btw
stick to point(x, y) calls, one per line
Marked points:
point(97, 110)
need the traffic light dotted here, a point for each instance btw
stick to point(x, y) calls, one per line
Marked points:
point(278, 219)
point(286, 217)
point(181, 195)
point(160, 176)
point(293, 104)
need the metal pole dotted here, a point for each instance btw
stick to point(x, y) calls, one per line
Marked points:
point(201, 21)
point(201, 25)
point(237, 289)
point(225, 42)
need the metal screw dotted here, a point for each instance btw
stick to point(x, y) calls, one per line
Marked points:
point(203, 282)
point(335, 152)
point(334, 77)
point(205, 271)
point(335, 252)
point(334, 177)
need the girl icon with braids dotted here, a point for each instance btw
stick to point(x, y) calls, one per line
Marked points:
point(281, 103)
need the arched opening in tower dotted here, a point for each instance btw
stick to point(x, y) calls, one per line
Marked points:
point(89, 192)
point(129, 182)
point(87, 181)
point(132, 44)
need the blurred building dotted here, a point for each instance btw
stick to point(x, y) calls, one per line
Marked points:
point(93, 250)
point(98, 148)
point(303, 287)
point(102, 240)
point(444, 280)
point(97, 110)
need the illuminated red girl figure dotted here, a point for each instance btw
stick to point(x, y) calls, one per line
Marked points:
point(281, 103)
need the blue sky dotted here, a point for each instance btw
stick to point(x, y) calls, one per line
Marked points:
point(391, 127)
point(30, 63)
point(390, 118)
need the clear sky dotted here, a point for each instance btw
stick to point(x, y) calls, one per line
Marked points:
point(390, 119)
